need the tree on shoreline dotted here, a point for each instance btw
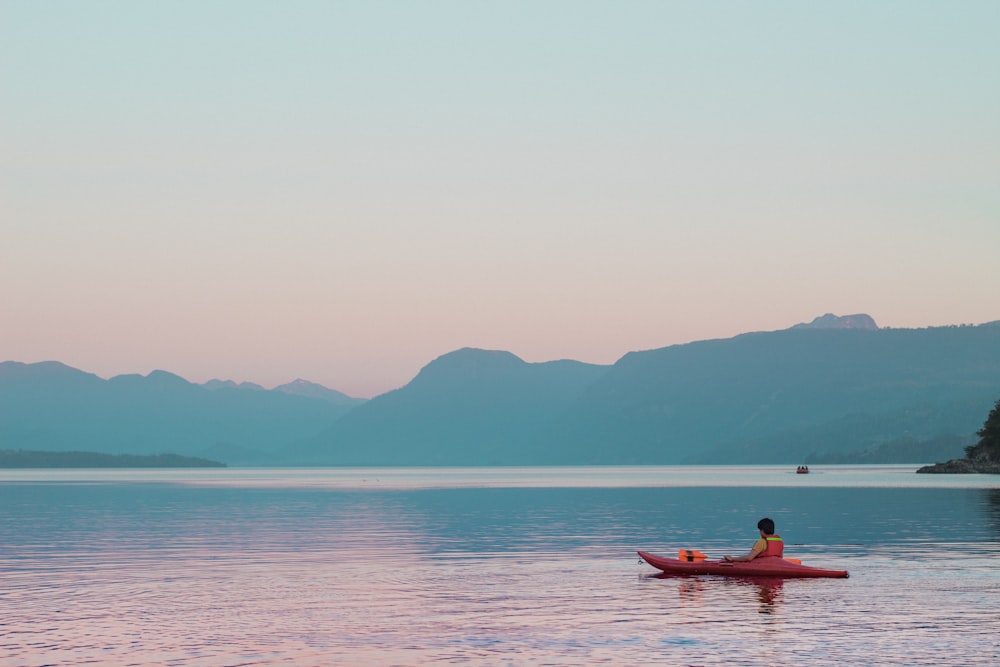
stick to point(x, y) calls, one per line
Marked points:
point(988, 446)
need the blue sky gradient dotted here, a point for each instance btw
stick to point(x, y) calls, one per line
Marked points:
point(342, 191)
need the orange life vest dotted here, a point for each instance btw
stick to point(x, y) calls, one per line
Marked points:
point(775, 546)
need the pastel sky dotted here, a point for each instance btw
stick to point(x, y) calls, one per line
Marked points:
point(343, 191)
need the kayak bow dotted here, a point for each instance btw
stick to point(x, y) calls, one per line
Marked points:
point(768, 566)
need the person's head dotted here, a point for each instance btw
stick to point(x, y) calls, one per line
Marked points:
point(766, 526)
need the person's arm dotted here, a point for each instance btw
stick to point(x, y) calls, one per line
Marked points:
point(758, 548)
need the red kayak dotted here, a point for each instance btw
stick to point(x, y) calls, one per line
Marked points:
point(769, 566)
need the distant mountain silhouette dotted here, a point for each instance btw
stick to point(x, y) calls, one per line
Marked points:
point(836, 389)
point(820, 392)
point(229, 384)
point(297, 387)
point(785, 395)
point(468, 407)
point(831, 321)
point(302, 387)
point(52, 407)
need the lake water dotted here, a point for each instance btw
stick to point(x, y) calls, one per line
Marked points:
point(533, 566)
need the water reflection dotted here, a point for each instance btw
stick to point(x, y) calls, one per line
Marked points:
point(769, 593)
point(691, 590)
point(199, 576)
point(991, 504)
point(815, 522)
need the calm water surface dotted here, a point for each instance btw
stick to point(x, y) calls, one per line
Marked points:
point(492, 567)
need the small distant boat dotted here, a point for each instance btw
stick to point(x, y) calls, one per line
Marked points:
point(802, 470)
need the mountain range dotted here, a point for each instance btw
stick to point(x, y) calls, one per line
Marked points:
point(837, 389)
point(50, 406)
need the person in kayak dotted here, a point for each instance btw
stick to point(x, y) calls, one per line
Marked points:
point(769, 544)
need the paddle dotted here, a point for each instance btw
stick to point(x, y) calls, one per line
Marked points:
point(695, 556)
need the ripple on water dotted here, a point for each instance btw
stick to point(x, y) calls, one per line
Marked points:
point(221, 577)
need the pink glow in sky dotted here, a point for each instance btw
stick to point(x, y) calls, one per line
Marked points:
point(342, 192)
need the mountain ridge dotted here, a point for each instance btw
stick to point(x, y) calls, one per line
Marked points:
point(836, 387)
point(49, 406)
point(759, 397)
point(477, 407)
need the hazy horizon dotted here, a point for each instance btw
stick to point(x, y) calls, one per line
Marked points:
point(342, 192)
point(201, 381)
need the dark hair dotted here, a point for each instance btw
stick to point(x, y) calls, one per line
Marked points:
point(766, 525)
